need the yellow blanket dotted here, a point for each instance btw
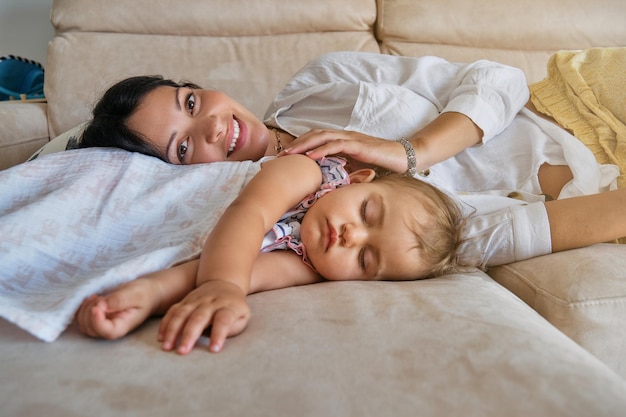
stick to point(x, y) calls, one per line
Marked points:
point(585, 92)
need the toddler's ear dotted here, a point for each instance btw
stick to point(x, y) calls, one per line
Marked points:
point(362, 175)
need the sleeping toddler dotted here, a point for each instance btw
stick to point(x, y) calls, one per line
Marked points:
point(318, 222)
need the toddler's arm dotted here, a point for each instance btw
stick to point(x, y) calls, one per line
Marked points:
point(114, 315)
point(228, 256)
point(280, 269)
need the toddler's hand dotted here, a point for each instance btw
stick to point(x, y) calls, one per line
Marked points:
point(220, 304)
point(116, 314)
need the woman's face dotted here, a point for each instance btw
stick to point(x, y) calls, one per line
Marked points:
point(191, 126)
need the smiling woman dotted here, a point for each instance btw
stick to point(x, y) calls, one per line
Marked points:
point(177, 122)
point(189, 125)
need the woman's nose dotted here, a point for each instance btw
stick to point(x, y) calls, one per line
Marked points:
point(209, 129)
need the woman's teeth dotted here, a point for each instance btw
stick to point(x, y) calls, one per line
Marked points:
point(233, 143)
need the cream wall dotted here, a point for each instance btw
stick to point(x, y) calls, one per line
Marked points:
point(25, 28)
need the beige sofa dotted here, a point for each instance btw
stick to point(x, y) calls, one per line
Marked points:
point(544, 337)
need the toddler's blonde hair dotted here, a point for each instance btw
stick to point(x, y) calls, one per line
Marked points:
point(437, 239)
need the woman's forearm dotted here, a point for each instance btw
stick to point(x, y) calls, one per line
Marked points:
point(444, 137)
point(582, 221)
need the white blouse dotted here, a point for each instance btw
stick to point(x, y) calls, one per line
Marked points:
point(390, 97)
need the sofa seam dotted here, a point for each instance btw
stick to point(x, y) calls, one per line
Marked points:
point(569, 304)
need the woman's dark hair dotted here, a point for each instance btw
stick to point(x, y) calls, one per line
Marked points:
point(109, 128)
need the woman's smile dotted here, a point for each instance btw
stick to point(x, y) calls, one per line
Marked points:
point(234, 137)
point(192, 126)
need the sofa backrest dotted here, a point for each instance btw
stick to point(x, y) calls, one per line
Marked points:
point(519, 33)
point(249, 49)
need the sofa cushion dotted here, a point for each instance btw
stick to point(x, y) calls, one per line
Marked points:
point(24, 129)
point(249, 50)
point(451, 346)
point(582, 292)
point(523, 34)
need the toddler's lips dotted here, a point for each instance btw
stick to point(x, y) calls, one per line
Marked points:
point(331, 236)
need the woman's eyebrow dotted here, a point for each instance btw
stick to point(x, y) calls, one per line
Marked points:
point(173, 135)
point(176, 93)
point(169, 146)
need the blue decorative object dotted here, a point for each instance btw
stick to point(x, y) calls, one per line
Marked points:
point(20, 79)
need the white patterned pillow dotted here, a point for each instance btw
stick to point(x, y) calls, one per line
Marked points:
point(64, 142)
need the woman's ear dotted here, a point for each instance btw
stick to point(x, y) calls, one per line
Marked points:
point(362, 175)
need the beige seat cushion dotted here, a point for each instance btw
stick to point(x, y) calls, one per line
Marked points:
point(24, 130)
point(451, 346)
point(582, 292)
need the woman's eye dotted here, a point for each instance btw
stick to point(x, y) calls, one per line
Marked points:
point(182, 151)
point(190, 103)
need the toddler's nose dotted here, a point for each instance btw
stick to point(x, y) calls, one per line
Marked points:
point(353, 235)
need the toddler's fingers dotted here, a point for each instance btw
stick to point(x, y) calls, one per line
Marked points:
point(168, 331)
point(83, 314)
point(172, 325)
point(221, 328)
point(226, 323)
point(99, 324)
point(117, 301)
point(197, 322)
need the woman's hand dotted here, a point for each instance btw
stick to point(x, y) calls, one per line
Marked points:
point(220, 304)
point(444, 137)
point(361, 150)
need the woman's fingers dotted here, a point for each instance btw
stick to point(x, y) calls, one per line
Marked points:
point(356, 146)
point(320, 141)
point(335, 147)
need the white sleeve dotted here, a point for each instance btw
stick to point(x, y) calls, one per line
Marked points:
point(491, 94)
point(511, 234)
